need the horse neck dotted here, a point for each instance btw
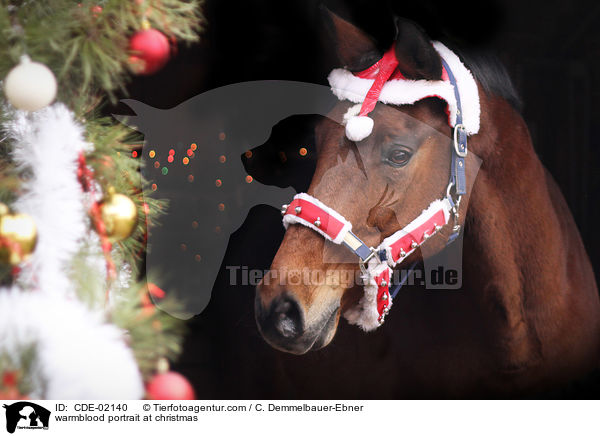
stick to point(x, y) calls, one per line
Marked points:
point(513, 245)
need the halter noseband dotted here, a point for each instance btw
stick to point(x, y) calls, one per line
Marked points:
point(377, 263)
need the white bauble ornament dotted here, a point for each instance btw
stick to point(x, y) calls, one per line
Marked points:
point(30, 85)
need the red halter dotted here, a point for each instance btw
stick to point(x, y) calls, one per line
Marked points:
point(376, 263)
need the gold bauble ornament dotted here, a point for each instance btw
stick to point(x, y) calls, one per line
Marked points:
point(119, 215)
point(18, 236)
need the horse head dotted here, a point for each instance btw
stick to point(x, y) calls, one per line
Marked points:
point(379, 184)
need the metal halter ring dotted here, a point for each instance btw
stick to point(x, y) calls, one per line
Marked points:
point(450, 185)
point(455, 138)
point(454, 201)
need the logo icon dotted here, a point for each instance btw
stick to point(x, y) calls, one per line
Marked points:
point(26, 415)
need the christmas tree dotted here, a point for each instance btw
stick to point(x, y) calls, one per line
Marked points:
point(77, 318)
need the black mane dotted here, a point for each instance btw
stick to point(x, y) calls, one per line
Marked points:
point(489, 71)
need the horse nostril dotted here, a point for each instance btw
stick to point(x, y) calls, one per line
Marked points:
point(286, 317)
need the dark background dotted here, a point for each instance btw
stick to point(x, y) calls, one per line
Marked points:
point(550, 48)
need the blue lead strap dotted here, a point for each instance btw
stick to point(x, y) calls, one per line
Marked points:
point(394, 291)
point(459, 143)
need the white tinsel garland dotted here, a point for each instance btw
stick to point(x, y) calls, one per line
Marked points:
point(48, 143)
point(78, 356)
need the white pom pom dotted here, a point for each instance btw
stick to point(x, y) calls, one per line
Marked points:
point(30, 85)
point(358, 128)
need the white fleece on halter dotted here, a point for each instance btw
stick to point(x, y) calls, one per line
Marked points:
point(365, 314)
point(295, 219)
point(347, 86)
point(435, 206)
point(376, 301)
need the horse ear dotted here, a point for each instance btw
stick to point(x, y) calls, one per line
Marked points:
point(417, 59)
point(355, 49)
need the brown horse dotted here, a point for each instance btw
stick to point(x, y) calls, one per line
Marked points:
point(528, 315)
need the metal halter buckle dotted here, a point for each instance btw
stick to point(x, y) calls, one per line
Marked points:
point(460, 153)
point(362, 263)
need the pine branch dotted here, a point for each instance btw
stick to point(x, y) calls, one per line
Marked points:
point(85, 48)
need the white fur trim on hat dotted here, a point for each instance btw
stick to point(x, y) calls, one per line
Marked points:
point(467, 89)
point(347, 86)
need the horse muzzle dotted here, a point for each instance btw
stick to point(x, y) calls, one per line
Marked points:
point(282, 323)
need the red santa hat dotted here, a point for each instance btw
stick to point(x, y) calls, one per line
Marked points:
point(381, 82)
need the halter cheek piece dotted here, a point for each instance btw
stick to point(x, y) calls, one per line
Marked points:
point(377, 263)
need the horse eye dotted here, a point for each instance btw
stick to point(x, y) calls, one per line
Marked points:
point(398, 157)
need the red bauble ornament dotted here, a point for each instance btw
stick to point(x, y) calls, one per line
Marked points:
point(151, 51)
point(8, 389)
point(169, 386)
point(96, 11)
point(147, 304)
